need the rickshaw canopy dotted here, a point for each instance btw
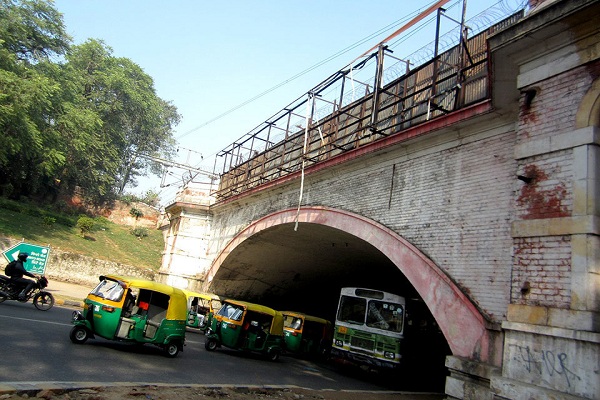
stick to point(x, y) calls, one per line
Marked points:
point(177, 299)
point(205, 296)
point(276, 325)
point(307, 317)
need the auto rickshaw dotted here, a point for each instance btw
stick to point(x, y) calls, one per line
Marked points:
point(201, 308)
point(133, 310)
point(248, 327)
point(306, 335)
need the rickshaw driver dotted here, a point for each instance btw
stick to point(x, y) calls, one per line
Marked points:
point(129, 303)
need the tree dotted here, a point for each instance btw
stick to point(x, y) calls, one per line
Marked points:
point(31, 33)
point(134, 119)
point(75, 125)
point(32, 30)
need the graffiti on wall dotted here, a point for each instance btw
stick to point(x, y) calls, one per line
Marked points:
point(545, 363)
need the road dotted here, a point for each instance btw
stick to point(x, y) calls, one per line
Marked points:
point(35, 347)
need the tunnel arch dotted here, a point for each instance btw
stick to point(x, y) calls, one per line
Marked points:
point(461, 323)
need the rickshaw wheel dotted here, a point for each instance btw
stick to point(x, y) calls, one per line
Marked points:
point(171, 349)
point(273, 355)
point(210, 344)
point(79, 335)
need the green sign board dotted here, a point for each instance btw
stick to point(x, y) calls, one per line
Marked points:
point(38, 256)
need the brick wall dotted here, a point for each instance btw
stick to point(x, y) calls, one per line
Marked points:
point(552, 110)
point(542, 264)
point(549, 194)
point(452, 200)
point(542, 273)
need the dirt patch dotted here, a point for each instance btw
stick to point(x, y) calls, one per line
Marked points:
point(208, 393)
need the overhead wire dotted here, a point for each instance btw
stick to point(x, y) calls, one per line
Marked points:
point(304, 72)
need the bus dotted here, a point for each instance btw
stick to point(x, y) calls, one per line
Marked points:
point(369, 328)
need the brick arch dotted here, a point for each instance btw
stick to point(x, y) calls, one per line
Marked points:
point(460, 321)
point(588, 113)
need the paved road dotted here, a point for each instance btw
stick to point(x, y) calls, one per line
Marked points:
point(35, 346)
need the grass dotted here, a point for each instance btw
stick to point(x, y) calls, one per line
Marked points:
point(106, 241)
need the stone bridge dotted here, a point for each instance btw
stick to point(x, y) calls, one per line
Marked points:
point(468, 184)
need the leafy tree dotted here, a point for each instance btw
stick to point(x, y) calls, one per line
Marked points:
point(32, 30)
point(31, 33)
point(134, 119)
point(78, 125)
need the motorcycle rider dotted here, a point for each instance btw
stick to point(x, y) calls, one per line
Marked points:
point(17, 275)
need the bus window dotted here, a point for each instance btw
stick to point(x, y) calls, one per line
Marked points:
point(384, 315)
point(352, 310)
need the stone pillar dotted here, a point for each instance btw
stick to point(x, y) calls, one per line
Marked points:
point(552, 335)
point(185, 259)
point(469, 379)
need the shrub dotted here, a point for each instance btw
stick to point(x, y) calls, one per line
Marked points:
point(34, 212)
point(49, 221)
point(64, 220)
point(10, 205)
point(151, 198)
point(85, 225)
point(128, 198)
point(139, 232)
point(137, 213)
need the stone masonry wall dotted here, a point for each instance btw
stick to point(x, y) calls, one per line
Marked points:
point(76, 268)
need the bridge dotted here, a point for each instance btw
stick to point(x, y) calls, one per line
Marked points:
point(467, 183)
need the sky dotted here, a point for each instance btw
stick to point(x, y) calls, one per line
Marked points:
point(229, 66)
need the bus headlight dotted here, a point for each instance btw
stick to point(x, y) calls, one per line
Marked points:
point(339, 343)
point(389, 354)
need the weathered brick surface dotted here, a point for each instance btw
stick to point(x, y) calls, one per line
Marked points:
point(542, 265)
point(542, 272)
point(452, 202)
point(550, 192)
point(552, 109)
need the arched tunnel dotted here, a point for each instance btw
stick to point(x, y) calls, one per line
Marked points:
point(303, 267)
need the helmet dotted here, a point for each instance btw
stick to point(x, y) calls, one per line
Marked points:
point(23, 256)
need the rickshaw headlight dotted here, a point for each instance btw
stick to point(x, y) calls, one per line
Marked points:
point(77, 316)
point(108, 308)
point(389, 354)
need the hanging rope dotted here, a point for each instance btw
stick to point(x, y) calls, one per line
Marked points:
point(307, 119)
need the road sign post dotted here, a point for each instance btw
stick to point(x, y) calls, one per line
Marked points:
point(38, 256)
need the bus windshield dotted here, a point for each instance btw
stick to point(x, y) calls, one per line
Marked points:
point(385, 315)
point(352, 310)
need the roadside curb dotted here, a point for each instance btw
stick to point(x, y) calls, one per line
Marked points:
point(33, 388)
point(66, 302)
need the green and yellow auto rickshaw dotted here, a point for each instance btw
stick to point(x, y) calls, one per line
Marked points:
point(306, 335)
point(201, 308)
point(248, 327)
point(133, 310)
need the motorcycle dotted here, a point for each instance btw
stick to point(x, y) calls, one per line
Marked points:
point(42, 300)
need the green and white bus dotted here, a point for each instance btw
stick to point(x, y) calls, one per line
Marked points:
point(369, 327)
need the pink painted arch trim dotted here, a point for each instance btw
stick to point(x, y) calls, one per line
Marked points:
point(460, 321)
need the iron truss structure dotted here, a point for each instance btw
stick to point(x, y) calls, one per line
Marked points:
point(344, 113)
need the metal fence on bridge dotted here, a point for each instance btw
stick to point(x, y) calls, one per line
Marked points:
point(343, 114)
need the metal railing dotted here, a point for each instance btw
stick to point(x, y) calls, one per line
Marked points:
point(344, 113)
